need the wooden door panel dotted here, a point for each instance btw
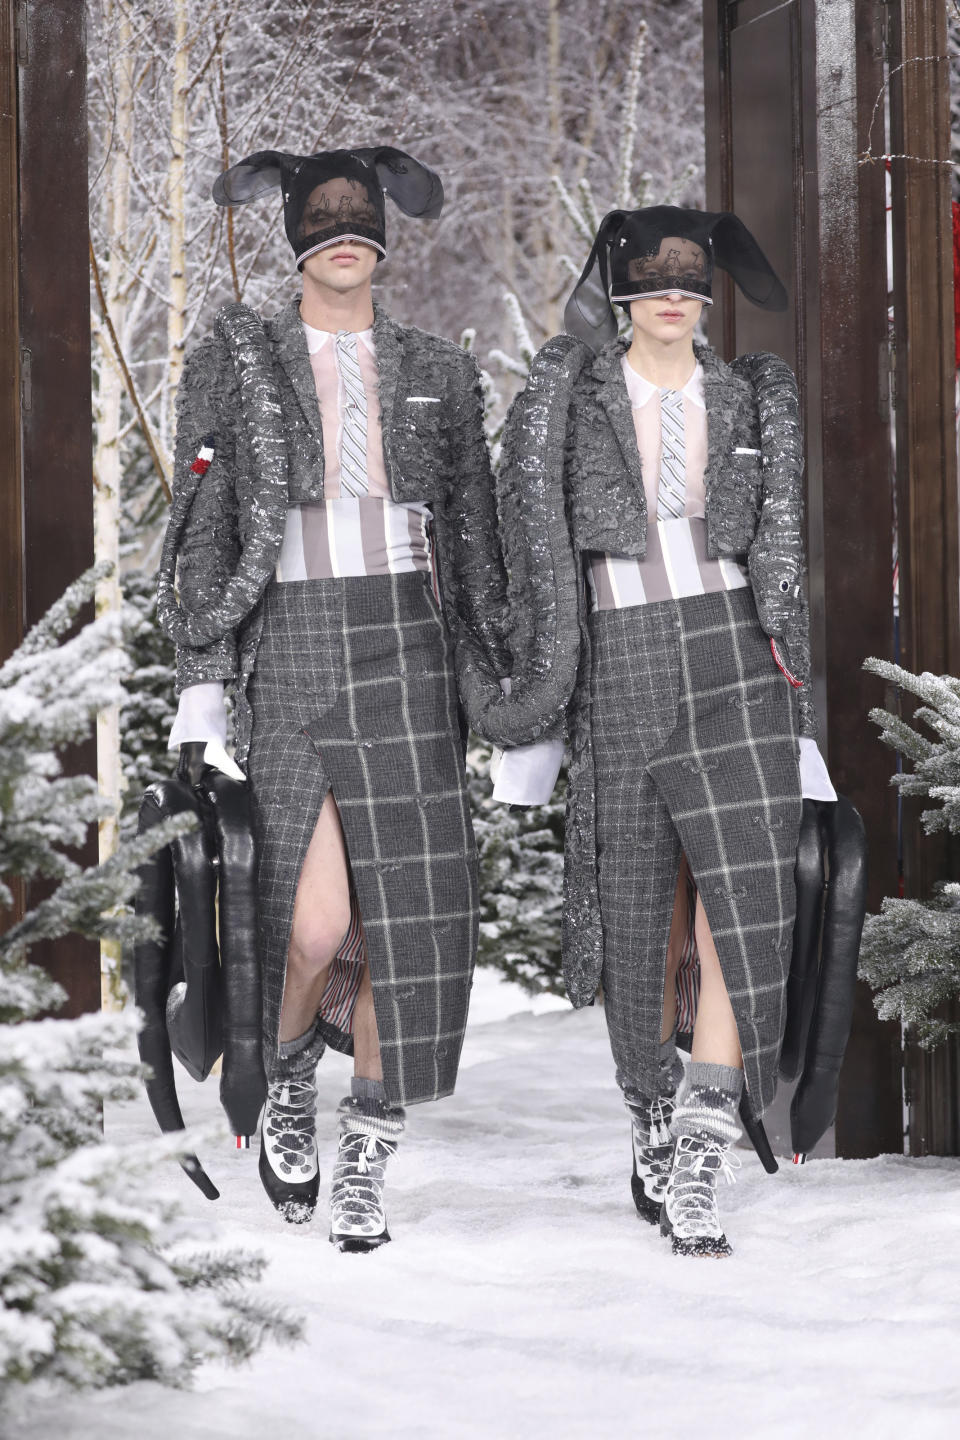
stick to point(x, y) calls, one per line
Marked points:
point(763, 82)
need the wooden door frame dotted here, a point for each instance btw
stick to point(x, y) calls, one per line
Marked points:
point(46, 479)
point(926, 448)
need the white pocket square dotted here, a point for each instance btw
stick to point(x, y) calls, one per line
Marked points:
point(423, 399)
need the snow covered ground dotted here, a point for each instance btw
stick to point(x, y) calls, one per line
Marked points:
point(523, 1298)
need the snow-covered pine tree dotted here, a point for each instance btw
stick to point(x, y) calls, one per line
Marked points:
point(521, 881)
point(148, 710)
point(149, 705)
point(911, 951)
point(94, 1287)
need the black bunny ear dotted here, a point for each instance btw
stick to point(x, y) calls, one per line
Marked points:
point(736, 251)
point(588, 313)
point(250, 178)
point(412, 186)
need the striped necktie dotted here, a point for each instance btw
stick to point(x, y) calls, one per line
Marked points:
point(672, 491)
point(353, 430)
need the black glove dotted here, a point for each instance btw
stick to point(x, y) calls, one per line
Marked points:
point(192, 763)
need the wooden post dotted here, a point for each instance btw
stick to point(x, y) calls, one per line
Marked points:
point(857, 510)
point(11, 494)
point(46, 510)
point(926, 458)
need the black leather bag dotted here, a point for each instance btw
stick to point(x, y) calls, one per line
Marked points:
point(831, 875)
point(831, 906)
point(198, 985)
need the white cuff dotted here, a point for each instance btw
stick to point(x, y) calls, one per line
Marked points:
point(814, 780)
point(527, 775)
point(201, 715)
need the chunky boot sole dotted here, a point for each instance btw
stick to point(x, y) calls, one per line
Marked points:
point(359, 1244)
point(294, 1202)
point(647, 1209)
point(706, 1247)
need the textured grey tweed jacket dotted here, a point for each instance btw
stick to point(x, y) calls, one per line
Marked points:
point(249, 390)
point(574, 421)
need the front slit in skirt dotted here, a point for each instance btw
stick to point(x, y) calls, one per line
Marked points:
point(354, 692)
point(694, 738)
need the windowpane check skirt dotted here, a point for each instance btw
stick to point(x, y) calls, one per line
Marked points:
point(354, 692)
point(693, 740)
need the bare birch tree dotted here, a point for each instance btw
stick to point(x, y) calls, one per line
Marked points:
point(107, 482)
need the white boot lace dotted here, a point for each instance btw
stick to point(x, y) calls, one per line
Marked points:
point(356, 1195)
point(691, 1197)
point(661, 1113)
point(290, 1128)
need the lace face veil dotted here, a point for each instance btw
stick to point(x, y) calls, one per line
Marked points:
point(662, 250)
point(335, 195)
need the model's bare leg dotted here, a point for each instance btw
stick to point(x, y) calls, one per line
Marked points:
point(321, 915)
point(715, 1038)
point(366, 1040)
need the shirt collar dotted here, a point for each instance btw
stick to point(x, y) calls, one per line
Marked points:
point(316, 339)
point(641, 390)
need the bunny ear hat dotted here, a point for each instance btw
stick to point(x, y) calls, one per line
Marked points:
point(335, 195)
point(660, 250)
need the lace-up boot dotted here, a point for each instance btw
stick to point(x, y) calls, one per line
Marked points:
point(650, 1135)
point(652, 1154)
point(705, 1127)
point(288, 1148)
point(370, 1131)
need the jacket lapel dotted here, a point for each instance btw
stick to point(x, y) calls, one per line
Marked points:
point(722, 395)
point(290, 347)
point(612, 394)
point(388, 343)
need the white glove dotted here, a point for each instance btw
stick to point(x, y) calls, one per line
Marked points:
point(814, 780)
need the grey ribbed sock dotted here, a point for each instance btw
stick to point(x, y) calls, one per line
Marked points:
point(297, 1059)
point(707, 1105)
point(288, 1049)
point(367, 1110)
